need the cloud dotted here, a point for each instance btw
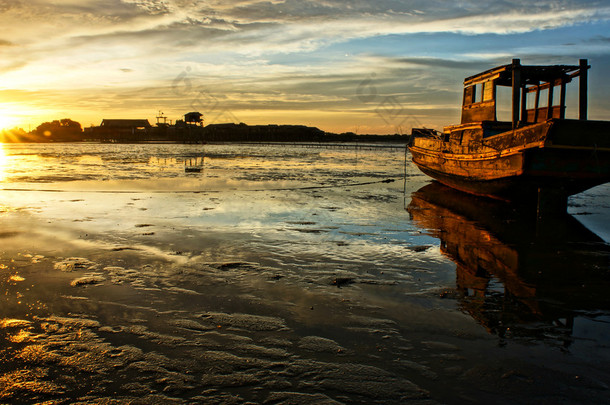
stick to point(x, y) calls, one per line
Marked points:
point(599, 39)
point(282, 26)
point(269, 54)
point(444, 63)
point(151, 7)
point(9, 66)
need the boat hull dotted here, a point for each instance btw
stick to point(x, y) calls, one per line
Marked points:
point(518, 164)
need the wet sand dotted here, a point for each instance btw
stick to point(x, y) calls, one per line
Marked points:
point(288, 275)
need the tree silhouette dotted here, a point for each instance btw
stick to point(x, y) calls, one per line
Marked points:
point(64, 130)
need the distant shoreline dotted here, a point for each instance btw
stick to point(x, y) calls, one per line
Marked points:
point(128, 132)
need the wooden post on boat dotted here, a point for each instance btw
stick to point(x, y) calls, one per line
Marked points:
point(549, 111)
point(516, 79)
point(582, 93)
point(562, 100)
point(524, 104)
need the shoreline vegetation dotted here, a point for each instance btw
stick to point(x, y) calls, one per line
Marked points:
point(136, 131)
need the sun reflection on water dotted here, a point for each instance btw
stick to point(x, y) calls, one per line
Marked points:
point(3, 162)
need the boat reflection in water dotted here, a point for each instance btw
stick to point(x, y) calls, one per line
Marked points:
point(518, 277)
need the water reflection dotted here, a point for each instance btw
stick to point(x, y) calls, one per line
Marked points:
point(3, 162)
point(519, 278)
point(194, 164)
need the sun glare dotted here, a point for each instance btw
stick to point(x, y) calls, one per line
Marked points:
point(7, 122)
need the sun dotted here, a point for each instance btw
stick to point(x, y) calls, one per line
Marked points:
point(7, 122)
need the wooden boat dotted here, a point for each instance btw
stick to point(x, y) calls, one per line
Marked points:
point(538, 156)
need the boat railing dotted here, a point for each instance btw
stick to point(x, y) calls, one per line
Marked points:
point(426, 133)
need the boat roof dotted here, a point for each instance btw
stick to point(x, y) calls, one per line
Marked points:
point(533, 75)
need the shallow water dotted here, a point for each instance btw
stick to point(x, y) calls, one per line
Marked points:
point(242, 273)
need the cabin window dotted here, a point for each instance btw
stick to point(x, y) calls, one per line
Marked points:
point(531, 99)
point(504, 97)
point(479, 92)
point(557, 95)
point(469, 95)
point(544, 98)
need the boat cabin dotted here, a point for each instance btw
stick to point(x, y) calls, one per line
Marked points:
point(534, 154)
point(480, 92)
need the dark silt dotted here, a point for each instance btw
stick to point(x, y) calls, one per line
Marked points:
point(271, 274)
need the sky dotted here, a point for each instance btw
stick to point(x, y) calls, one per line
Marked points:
point(341, 65)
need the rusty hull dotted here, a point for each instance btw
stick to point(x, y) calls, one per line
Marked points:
point(479, 158)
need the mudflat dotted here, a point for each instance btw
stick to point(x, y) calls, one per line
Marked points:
point(288, 274)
